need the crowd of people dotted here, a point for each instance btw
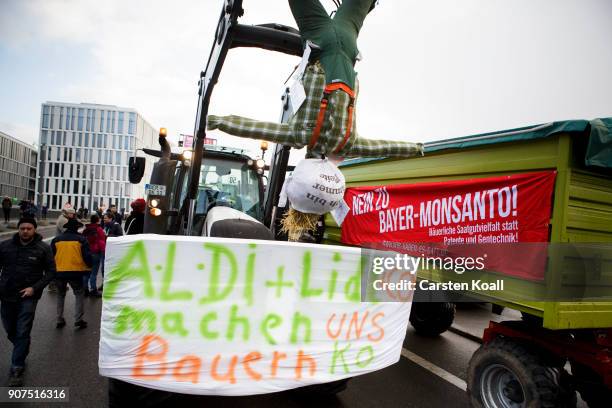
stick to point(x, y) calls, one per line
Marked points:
point(74, 258)
point(27, 208)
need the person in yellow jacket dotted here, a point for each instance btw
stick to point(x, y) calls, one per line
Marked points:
point(73, 260)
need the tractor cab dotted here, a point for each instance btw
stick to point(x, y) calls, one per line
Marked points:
point(230, 186)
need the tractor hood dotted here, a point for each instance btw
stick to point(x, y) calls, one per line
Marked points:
point(228, 222)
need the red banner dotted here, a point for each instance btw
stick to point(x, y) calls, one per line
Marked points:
point(493, 210)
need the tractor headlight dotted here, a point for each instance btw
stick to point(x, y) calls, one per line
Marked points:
point(156, 212)
point(187, 155)
point(154, 203)
point(260, 163)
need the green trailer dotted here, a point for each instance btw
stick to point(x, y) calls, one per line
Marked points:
point(581, 153)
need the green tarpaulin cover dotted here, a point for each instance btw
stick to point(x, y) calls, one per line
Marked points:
point(598, 131)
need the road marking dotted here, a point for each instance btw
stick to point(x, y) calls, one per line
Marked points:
point(440, 372)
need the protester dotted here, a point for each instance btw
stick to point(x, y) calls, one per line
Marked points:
point(27, 266)
point(73, 260)
point(6, 208)
point(97, 245)
point(31, 210)
point(67, 214)
point(116, 216)
point(23, 206)
point(111, 227)
point(135, 222)
point(44, 211)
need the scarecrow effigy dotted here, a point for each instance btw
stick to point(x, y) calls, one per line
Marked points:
point(325, 121)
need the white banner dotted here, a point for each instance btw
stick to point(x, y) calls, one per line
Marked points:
point(239, 317)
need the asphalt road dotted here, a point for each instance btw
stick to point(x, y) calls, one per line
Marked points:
point(69, 357)
point(431, 372)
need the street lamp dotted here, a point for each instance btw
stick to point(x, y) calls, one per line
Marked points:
point(41, 177)
point(91, 181)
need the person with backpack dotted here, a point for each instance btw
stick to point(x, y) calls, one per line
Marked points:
point(73, 261)
point(97, 246)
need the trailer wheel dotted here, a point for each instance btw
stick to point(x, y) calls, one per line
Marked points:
point(591, 387)
point(432, 318)
point(505, 374)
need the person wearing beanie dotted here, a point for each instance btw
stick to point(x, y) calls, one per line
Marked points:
point(27, 266)
point(135, 222)
point(73, 261)
point(66, 214)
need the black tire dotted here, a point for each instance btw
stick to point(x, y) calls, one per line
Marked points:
point(432, 318)
point(591, 387)
point(503, 372)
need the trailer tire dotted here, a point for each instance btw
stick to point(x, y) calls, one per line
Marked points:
point(432, 318)
point(502, 373)
point(591, 387)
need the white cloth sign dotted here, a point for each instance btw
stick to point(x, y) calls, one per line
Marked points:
point(219, 316)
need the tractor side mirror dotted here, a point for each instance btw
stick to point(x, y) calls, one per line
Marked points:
point(136, 169)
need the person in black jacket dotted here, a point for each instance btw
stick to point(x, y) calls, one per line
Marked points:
point(73, 261)
point(110, 226)
point(27, 266)
point(135, 222)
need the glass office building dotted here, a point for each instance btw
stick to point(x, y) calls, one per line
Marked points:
point(17, 168)
point(84, 153)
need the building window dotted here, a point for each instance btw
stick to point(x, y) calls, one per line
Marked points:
point(43, 137)
point(89, 119)
point(101, 121)
point(51, 111)
point(61, 118)
point(81, 118)
point(132, 123)
point(108, 121)
point(72, 119)
point(118, 158)
point(120, 124)
point(45, 123)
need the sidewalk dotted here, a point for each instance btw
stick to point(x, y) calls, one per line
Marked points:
point(44, 231)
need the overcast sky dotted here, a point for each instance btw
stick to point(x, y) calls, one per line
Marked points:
point(430, 70)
